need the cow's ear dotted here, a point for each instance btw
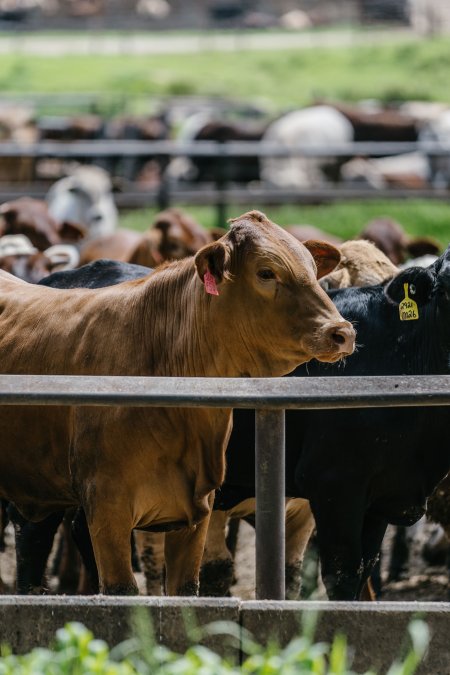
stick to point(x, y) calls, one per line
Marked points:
point(147, 252)
point(326, 256)
point(420, 282)
point(69, 231)
point(214, 258)
point(420, 246)
point(216, 233)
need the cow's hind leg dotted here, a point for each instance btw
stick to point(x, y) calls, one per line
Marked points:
point(183, 555)
point(217, 571)
point(299, 528)
point(150, 551)
point(88, 582)
point(34, 542)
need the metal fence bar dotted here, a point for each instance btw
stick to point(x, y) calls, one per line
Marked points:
point(270, 504)
point(268, 393)
point(208, 194)
point(123, 148)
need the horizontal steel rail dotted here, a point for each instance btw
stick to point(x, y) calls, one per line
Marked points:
point(209, 194)
point(230, 149)
point(200, 392)
point(270, 397)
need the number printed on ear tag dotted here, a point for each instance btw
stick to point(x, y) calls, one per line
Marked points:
point(408, 309)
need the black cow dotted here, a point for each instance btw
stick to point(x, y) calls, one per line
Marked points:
point(35, 540)
point(364, 468)
point(96, 274)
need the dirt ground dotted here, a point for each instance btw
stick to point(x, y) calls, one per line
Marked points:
point(421, 582)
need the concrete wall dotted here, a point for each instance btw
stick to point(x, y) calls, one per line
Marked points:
point(375, 631)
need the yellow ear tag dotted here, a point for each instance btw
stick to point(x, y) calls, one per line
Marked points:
point(408, 308)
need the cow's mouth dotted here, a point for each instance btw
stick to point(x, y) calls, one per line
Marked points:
point(332, 357)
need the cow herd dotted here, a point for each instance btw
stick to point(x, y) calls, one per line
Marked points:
point(255, 300)
point(321, 124)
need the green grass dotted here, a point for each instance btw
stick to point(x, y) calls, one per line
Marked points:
point(281, 79)
point(418, 217)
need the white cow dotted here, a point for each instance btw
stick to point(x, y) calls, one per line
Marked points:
point(314, 126)
point(85, 197)
point(438, 130)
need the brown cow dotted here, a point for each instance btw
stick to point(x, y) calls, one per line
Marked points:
point(173, 235)
point(269, 316)
point(305, 232)
point(391, 238)
point(362, 264)
point(118, 246)
point(31, 217)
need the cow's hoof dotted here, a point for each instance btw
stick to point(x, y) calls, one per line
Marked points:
point(189, 588)
point(293, 581)
point(121, 589)
point(216, 578)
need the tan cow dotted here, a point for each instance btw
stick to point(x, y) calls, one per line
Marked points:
point(362, 264)
point(137, 467)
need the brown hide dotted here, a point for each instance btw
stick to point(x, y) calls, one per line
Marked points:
point(31, 217)
point(139, 467)
point(117, 246)
point(174, 235)
point(390, 237)
point(362, 264)
point(380, 125)
point(305, 232)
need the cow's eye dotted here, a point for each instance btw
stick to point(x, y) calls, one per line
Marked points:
point(266, 274)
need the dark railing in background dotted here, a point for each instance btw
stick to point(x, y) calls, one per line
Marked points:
point(269, 396)
point(222, 191)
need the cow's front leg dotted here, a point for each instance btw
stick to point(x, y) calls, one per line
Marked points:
point(339, 522)
point(183, 555)
point(374, 529)
point(111, 536)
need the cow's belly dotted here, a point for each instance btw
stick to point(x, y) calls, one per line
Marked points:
point(167, 502)
point(168, 461)
point(34, 469)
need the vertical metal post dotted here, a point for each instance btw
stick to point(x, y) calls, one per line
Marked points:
point(270, 505)
point(221, 175)
point(163, 198)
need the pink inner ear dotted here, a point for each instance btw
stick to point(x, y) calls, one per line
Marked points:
point(210, 283)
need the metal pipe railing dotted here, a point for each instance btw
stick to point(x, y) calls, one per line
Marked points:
point(270, 397)
point(230, 149)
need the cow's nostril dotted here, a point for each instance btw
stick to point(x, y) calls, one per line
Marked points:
point(338, 338)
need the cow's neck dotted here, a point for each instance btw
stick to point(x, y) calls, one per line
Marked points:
point(189, 338)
